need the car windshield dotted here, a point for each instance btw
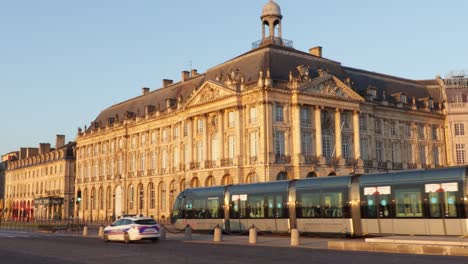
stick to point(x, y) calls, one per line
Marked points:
point(145, 222)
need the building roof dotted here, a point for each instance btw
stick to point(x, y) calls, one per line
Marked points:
point(281, 61)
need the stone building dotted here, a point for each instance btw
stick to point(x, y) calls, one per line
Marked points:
point(40, 182)
point(272, 113)
point(456, 95)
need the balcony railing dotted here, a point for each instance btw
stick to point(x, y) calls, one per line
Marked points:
point(226, 162)
point(309, 159)
point(397, 165)
point(382, 165)
point(140, 173)
point(368, 163)
point(253, 159)
point(281, 158)
point(412, 165)
point(210, 164)
point(194, 165)
point(272, 40)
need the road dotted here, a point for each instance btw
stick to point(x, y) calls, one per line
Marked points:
point(18, 248)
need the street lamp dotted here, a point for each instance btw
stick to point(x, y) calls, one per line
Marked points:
point(92, 208)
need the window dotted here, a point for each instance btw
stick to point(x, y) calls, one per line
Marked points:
point(162, 196)
point(459, 129)
point(378, 126)
point(306, 144)
point(305, 116)
point(321, 204)
point(143, 140)
point(186, 129)
point(326, 143)
point(253, 115)
point(379, 151)
point(175, 157)
point(460, 151)
point(152, 196)
point(435, 156)
point(200, 126)
point(364, 149)
point(215, 147)
point(407, 128)
point(131, 196)
point(134, 142)
point(435, 134)
point(408, 202)
point(176, 132)
point(153, 160)
point(164, 161)
point(104, 167)
point(279, 143)
point(409, 152)
point(142, 162)
point(395, 155)
point(422, 154)
point(422, 134)
point(231, 146)
point(279, 113)
point(132, 162)
point(392, 128)
point(345, 145)
point(253, 138)
point(363, 122)
point(199, 151)
point(345, 119)
point(403, 98)
point(186, 154)
point(457, 98)
point(270, 205)
point(231, 119)
point(154, 136)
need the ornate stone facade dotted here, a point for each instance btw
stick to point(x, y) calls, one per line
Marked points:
point(272, 113)
point(40, 182)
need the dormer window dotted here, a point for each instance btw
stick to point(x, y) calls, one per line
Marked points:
point(431, 103)
point(372, 92)
point(403, 98)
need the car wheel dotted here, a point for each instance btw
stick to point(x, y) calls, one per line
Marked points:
point(126, 238)
point(155, 240)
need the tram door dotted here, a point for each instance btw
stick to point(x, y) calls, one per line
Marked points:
point(378, 200)
point(442, 200)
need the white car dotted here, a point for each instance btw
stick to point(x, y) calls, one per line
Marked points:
point(133, 228)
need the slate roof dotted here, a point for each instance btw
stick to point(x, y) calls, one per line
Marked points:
point(280, 60)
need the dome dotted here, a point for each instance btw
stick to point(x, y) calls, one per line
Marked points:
point(271, 9)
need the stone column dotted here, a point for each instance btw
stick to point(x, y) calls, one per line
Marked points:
point(318, 131)
point(205, 140)
point(338, 148)
point(296, 136)
point(357, 139)
point(221, 141)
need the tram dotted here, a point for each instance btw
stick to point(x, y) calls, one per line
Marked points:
point(417, 202)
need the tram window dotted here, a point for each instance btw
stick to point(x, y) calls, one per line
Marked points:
point(308, 205)
point(276, 207)
point(435, 206)
point(370, 210)
point(408, 202)
point(256, 206)
point(450, 204)
point(212, 208)
point(332, 204)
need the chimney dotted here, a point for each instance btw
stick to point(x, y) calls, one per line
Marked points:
point(44, 148)
point(145, 90)
point(59, 141)
point(185, 76)
point(167, 82)
point(316, 51)
point(194, 73)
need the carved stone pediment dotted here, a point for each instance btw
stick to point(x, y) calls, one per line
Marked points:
point(330, 86)
point(208, 92)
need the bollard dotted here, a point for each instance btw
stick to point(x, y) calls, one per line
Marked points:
point(217, 234)
point(188, 232)
point(101, 232)
point(85, 231)
point(252, 235)
point(294, 237)
point(162, 233)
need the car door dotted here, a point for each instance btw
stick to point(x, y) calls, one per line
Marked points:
point(115, 230)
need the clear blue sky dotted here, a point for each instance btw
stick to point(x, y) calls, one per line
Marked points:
point(62, 62)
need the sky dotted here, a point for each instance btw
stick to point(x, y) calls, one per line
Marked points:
point(63, 62)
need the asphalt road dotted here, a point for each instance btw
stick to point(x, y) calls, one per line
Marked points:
point(37, 248)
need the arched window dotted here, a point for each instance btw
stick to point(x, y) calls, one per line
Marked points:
point(93, 197)
point(182, 184)
point(162, 196)
point(131, 196)
point(251, 178)
point(282, 176)
point(101, 198)
point(151, 195)
point(311, 174)
point(226, 180)
point(210, 181)
point(194, 183)
point(140, 197)
point(172, 193)
point(85, 199)
point(332, 173)
point(108, 198)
